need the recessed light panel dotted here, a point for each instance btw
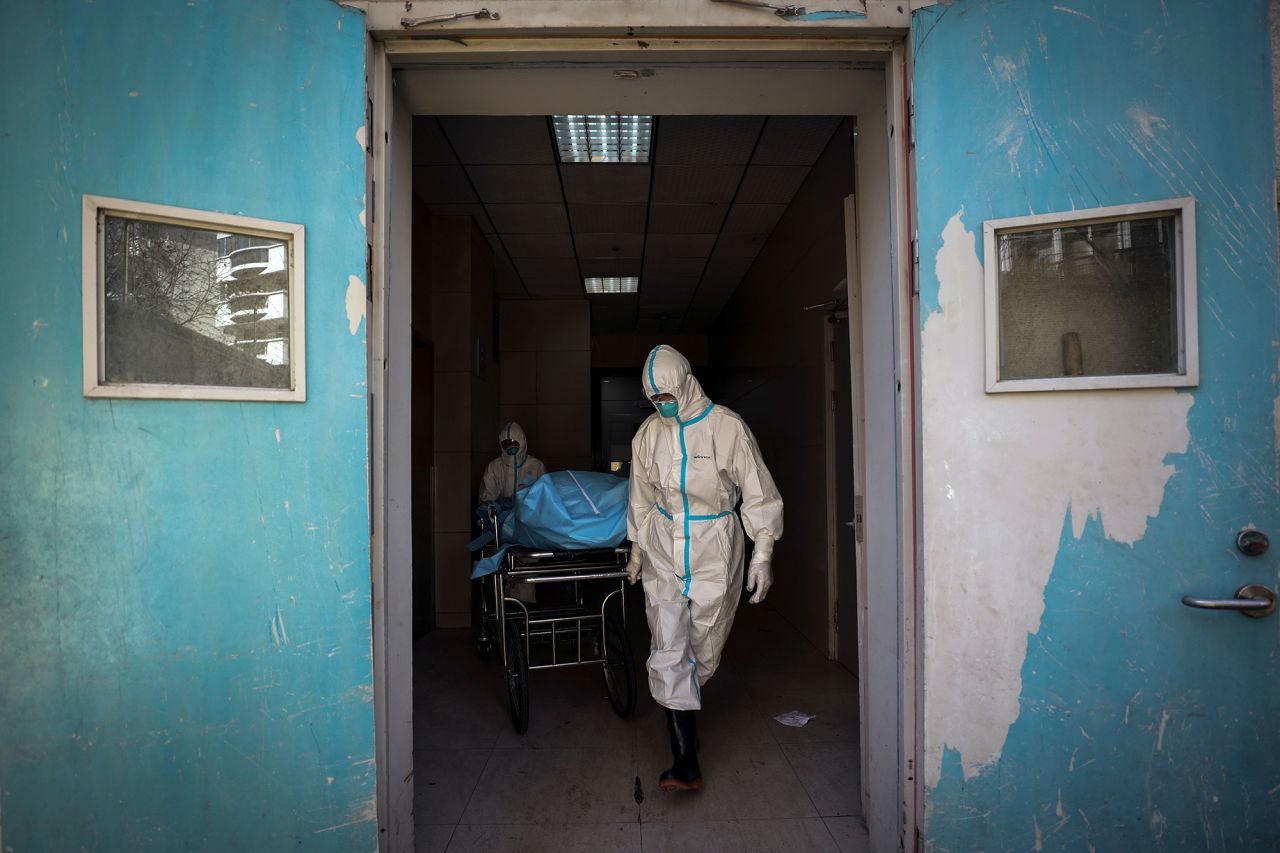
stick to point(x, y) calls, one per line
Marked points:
point(603, 139)
point(612, 284)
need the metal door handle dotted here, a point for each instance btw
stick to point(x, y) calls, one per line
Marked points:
point(1253, 600)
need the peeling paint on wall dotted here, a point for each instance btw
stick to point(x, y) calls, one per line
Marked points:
point(355, 302)
point(1071, 702)
point(1000, 473)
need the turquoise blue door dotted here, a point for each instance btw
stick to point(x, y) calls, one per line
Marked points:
point(1071, 700)
point(184, 585)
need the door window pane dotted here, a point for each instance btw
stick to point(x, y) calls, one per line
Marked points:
point(183, 305)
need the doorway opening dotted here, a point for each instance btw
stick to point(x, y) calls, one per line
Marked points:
point(732, 226)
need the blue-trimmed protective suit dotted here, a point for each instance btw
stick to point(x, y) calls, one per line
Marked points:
point(687, 475)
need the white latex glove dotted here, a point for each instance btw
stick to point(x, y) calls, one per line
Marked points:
point(633, 565)
point(759, 579)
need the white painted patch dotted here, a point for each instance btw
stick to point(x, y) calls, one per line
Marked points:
point(361, 137)
point(355, 302)
point(134, 94)
point(364, 204)
point(277, 435)
point(36, 326)
point(41, 382)
point(1146, 120)
point(1069, 11)
point(1000, 473)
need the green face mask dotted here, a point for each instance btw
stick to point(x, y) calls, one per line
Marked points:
point(513, 450)
point(668, 409)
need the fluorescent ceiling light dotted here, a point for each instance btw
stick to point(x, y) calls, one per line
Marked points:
point(613, 284)
point(603, 139)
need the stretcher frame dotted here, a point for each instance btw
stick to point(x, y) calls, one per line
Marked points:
point(550, 625)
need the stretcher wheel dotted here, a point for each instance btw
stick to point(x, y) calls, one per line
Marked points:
point(481, 629)
point(619, 667)
point(517, 675)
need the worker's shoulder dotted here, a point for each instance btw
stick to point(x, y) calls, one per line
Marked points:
point(724, 413)
point(645, 427)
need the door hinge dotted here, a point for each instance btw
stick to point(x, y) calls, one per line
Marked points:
point(915, 263)
point(857, 519)
point(368, 272)
point(835, 616)
point(911, 122)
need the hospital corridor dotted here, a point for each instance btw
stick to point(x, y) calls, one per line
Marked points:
point(632, 359)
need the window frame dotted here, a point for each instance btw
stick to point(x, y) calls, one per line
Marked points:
point(293, 235)
point(1188, 374)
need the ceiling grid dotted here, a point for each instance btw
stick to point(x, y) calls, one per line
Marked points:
point(689, 223)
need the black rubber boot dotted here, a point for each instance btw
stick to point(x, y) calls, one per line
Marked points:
point(684, 774)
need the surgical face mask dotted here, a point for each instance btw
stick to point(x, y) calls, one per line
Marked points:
point(668, 408)
point(513, 450)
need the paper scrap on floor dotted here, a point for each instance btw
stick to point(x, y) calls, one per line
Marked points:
point(795, 719)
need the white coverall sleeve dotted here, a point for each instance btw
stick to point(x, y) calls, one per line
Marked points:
point(532, 470)
point(491, 483)
point(761, 502)
point(641, 496)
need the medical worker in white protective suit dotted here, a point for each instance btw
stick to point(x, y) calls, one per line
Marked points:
point(514, 468)
point(691, 463)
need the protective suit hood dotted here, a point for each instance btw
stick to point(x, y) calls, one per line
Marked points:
point(666, 371)
point(515, 432)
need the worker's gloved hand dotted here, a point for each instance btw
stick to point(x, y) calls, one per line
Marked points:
point(759, 579)
point(634, 564)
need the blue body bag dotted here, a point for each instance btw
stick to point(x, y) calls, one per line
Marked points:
point(561, 511)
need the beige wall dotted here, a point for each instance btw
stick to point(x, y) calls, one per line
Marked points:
point(465, 397)
point(768, 357)
point(545, 365)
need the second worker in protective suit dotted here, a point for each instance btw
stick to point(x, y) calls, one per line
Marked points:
point(692, 461)
point(514, 469)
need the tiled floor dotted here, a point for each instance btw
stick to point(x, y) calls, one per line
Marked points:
point(569, 784)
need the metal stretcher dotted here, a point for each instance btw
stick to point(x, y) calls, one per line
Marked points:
point(583, 620)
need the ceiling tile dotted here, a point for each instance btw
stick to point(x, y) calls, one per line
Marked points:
point(753, 218)
point(515, 184)
point(539, 245)
point(669, 290)
point(694, 140)
point(475, 211)
point(741, 245)
point(510, 140)
point(794, 140)
point(691, 184)
point(660, 266)
point(680, 245)
point(443, 185)
point(609, 266)
point(430, 148)
point(532, 269)
point(607, 218)
point(545, 287)
point(771, 184)
point(528, 218)
point(686, 218)
point(727, 267)
point(603, 183)
point(610, 245)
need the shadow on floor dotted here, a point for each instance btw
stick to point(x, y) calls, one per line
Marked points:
point(569, 783)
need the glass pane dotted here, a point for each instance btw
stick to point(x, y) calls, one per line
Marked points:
point(189, 306)
point(1095, 299)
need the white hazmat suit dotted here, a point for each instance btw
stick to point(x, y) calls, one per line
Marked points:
point(688, 473)
point(506, 474)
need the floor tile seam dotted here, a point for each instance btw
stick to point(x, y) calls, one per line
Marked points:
point(471, 796)
point(831, 834)
point(803, 787)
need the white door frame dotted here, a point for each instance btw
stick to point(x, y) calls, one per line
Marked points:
point(887, 629)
